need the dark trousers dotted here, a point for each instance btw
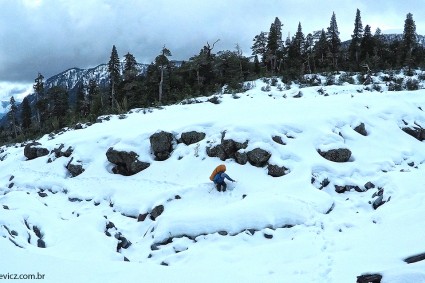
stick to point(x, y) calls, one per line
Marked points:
point(221, 187)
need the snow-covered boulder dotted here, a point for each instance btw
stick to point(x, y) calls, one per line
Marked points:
point(127, 163)
point(258, 157)
point(192, 137)
point(162, 145)
point(34, 150)
point(336, 155)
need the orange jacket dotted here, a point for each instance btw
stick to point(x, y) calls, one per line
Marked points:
point(219, 168)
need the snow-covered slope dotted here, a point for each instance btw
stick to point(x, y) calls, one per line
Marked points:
point(293, 228)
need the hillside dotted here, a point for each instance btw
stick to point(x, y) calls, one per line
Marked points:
point(66, 215)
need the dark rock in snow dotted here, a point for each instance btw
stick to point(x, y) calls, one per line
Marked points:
point(157, 211)
point(41, 244)
point(5, 207)
point(336, 155)
point(228, 148)
point(369, 185)
point(276, 171)
point(161, 145)
point(415, 258)
point(416, 131)
point(42, 194)
point(340, 189)
point(361, 129)
point(192, 137)
point(142, 217)
point(217, 151)
point(278, 140)
point(378, 202)
point(258, 157)
point(11, 185)
point(59, 153)
point(34, 150)
point(126, 163)
point(37, 231)
point(369, 278)
point(11, 178)
point(75, 169)
point(110, 225)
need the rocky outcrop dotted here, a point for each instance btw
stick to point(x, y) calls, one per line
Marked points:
point(258, 157)
point(226, 149)
point(127, 163)
point(192, 137)
point(161, 145)
point(34, 150)
point(336, 155)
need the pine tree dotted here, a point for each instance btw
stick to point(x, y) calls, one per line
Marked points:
point(274, 43)
point(334, 40)
point(80, 104)
point(356, 39)
point(130, 70)
point(26, 114)
point(94, 98)
point(321, 49)
point(259, 47)
point(59, 106)
point(162, 61)
point(114, 67)
point(39, 98)
point(409, 39)
point(367, 44)
point(13, 116)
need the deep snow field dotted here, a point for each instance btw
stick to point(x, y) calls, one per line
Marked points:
point(263, 229)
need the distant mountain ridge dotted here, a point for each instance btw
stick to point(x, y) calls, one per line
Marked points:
point(73, 77)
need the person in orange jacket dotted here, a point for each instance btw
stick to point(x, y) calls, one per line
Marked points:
point(218, 176)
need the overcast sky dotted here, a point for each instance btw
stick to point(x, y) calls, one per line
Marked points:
point(50, 36)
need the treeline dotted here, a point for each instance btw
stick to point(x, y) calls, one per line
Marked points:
point(166, 81)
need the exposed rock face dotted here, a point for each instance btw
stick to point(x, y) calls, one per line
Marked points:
point(162, 145)
point(258, 157)
point(276, 171)
point(34, 150)
point(126, 163)
point(361, 129)
point(336, 155)
point(192, 137)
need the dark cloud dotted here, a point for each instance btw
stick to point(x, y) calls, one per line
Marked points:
point(50, 36)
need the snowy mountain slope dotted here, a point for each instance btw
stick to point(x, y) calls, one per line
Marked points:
point(263, 229)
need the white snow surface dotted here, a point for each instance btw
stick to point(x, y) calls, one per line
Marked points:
point(318, 235)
